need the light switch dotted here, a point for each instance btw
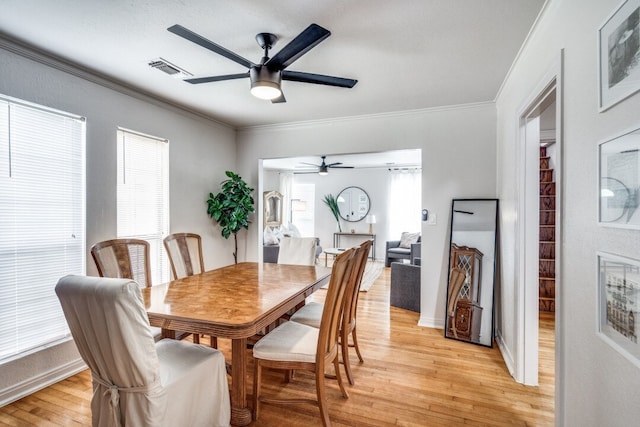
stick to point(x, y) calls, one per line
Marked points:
point(432, 219)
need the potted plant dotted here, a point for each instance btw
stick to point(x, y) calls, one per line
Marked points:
point(331, 201)
point(231, 207)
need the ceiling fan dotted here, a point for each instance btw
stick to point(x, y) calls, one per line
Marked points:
point(323, 168)
point(266, 76)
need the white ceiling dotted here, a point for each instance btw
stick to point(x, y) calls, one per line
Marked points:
point(405, 54)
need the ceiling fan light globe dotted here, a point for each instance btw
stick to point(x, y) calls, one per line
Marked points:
point(265, 91)
point(323, 173)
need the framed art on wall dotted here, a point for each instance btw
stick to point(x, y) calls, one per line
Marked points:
point(619, 181)
point(618, 299)
point(619, 55)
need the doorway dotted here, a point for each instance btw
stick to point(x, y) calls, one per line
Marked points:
point(539, 236)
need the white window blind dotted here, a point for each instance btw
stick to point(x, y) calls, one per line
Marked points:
point(143, 195)
point(42, 221)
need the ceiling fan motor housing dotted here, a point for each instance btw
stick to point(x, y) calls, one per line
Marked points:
point(260, 75)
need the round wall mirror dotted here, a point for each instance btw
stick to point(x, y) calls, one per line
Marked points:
point(353, 203)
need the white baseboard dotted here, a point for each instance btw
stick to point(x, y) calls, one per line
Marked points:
point(506, 354)
point(431, 322)
point(45, 379)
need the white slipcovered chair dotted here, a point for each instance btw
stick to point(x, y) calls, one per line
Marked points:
point(297, 251)
point(137, 382)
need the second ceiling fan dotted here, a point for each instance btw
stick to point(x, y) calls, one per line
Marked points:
point(266, 76)
point(323, 168)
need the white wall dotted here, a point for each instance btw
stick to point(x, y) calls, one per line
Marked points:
point(200, 151)
point(458, 160)
point(596, 385)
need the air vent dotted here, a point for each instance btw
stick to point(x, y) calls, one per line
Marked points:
point(169, 68)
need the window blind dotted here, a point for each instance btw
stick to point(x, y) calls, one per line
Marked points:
point(143, 195)
point(42, 221)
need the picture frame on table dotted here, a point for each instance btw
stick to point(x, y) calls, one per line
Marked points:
point(618, 304)
point(619, 55)
point(619, 181)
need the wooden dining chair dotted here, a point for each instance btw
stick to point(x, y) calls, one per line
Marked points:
point(294, 346)
point(185, 256)
point(311, 313)
point(123, 259)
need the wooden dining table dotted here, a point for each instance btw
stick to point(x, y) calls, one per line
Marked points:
point(235, 302)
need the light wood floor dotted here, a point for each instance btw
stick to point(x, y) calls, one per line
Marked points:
point(412, 376)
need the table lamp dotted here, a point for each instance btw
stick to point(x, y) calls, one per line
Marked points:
point(370, 219)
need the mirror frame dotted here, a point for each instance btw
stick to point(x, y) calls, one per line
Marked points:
point(472, 306)
point(267, 198)
point(348, 216)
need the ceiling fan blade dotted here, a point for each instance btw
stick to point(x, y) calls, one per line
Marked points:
point(303, 43)
point(199, 80)
point(330, 165)
point(341, 167)
point(310, 164)
point(279, 99)
point(208, 44)
point(297, 76)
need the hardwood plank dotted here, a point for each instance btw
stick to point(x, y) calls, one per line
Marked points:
point(412, 376)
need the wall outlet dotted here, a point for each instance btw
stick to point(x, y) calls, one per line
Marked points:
point(432, 220)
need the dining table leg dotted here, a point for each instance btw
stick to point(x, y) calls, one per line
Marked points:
point(240, 412)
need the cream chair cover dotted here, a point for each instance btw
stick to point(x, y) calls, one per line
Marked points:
point(297, 250)
point(137, 382)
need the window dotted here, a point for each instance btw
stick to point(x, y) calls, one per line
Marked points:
point(143, 195)
point(303, 208)
point(405, 199)
point(42, 221)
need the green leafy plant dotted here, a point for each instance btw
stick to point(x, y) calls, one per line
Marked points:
point(231, 207)
point(331, 201)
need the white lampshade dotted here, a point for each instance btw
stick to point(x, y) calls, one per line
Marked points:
point(370, 219)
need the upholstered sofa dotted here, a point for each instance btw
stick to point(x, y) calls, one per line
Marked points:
point(394, 252)
point(405, 285)
point(270, 252)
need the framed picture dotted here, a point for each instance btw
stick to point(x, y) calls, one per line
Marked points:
point(619, 54)
point(619, 181)
point(618, 299)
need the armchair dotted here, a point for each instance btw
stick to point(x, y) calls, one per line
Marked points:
point(394, 252)
point(405, 286)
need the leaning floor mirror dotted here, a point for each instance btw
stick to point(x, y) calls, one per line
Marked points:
point(472, 265)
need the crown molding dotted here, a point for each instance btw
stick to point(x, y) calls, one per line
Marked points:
point(48, 59)
point(393, 114)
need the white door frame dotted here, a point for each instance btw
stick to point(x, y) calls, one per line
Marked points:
point(527, 227)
